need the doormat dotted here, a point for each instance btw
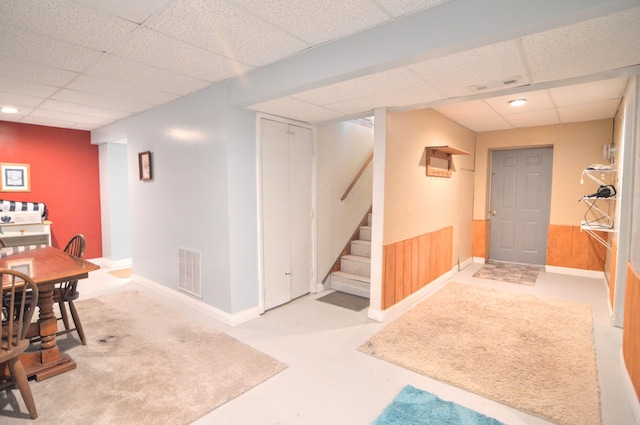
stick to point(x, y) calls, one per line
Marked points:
point(509, 272)
point(416, 407)
point(121, 273)
point(342, 299)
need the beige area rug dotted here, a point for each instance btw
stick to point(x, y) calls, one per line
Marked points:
point(533, 354)
point(144, 363)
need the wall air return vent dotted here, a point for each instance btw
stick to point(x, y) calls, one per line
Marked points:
point(190, 271)
point(493, 85)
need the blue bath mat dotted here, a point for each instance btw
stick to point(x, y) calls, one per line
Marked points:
point(416, 407)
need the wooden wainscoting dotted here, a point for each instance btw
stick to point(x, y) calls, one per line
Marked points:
point(480, 238)
point(631, 329)
point(411, 264)
point(568, 246)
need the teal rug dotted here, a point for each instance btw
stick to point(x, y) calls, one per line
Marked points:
point(416, 407)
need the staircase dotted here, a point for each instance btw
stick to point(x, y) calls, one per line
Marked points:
point(355, 267)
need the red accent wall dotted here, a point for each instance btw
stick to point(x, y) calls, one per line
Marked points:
point(64, 175)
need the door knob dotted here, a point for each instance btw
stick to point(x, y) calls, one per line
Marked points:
point(493, 212)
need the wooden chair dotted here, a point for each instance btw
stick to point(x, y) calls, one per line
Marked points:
point(67, 292)
point(22, 295)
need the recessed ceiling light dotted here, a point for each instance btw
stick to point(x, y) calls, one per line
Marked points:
point(517, 102)
point(9, 110)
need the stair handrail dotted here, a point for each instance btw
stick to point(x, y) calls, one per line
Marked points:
point(357, 177)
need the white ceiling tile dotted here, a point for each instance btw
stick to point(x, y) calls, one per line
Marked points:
point(300, 18)
point(11, 85)
point(533, 118)
point(407, 97)
point(467, 110)
point(45, 50)
point(32, 72)
point(119, 90)
point(405, 7)
point(83, 98)
point(68, 116)
point(18, 100)
point(589, 92)
point(295, 109)
point(586, 48)
point(75, 108)
point(135, 11)
point(67, 21)
point(369, 85)
point(457, 74)
point(589, 111)
point(48, 122)
point(137, 74)
point(486, 124)
point(161, 51)
point(536, 101)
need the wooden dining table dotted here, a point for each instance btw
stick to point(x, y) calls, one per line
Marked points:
point(47, 267)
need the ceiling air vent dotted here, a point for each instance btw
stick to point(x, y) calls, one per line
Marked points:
point(511, 81)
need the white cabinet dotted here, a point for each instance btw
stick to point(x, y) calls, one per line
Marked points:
point(26, 234)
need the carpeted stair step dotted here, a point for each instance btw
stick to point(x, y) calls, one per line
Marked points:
point(365, 233)
point(356, 264)
point(351, 283)
point(361, 248)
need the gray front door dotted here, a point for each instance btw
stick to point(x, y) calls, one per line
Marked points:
point(520, 204)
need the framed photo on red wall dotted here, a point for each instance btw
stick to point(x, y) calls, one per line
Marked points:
point(15, 177)
point(144, 164)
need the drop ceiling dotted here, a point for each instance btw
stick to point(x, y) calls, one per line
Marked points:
point(86, 63)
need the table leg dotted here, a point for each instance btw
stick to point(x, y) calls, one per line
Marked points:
point(48, 361)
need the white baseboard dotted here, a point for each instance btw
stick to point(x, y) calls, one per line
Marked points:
point(217, 314)
point(465, 263)
point(575, 272)
point(479, 260)
point(112, 264)
point(630, 390)
point(397, 309)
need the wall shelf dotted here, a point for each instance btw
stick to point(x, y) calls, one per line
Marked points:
point(440, 160)
point(603, 222)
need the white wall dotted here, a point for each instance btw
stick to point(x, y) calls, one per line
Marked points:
point(343, 148)
point(115, 205)
point(202, 196)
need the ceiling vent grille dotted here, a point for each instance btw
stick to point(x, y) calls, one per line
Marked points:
point(190, 273)
point(511, 81)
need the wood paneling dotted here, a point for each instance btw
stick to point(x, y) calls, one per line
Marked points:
point(612, 270)
point(568, 246)
point(480, 238)
point(412, 263)
point(631, 329)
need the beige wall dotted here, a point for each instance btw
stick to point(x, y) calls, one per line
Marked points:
point(575, 147)
point(416, 204)
point(343, 148)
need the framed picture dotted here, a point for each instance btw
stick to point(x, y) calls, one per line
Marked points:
point(23, 266)
point(144, 164)
point(15, 177)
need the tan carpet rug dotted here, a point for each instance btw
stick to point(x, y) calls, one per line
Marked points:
point(536, 355)
point(144, 363)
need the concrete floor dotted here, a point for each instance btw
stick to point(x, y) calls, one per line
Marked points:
point(329, 381)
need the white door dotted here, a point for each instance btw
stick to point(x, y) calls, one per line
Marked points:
point(520, 204)
point(287, 159)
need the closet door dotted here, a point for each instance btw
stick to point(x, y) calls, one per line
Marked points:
point(286, 211)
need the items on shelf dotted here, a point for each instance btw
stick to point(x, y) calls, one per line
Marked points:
point(595, 218)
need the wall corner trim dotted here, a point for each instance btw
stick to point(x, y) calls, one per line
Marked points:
point(199, 306)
